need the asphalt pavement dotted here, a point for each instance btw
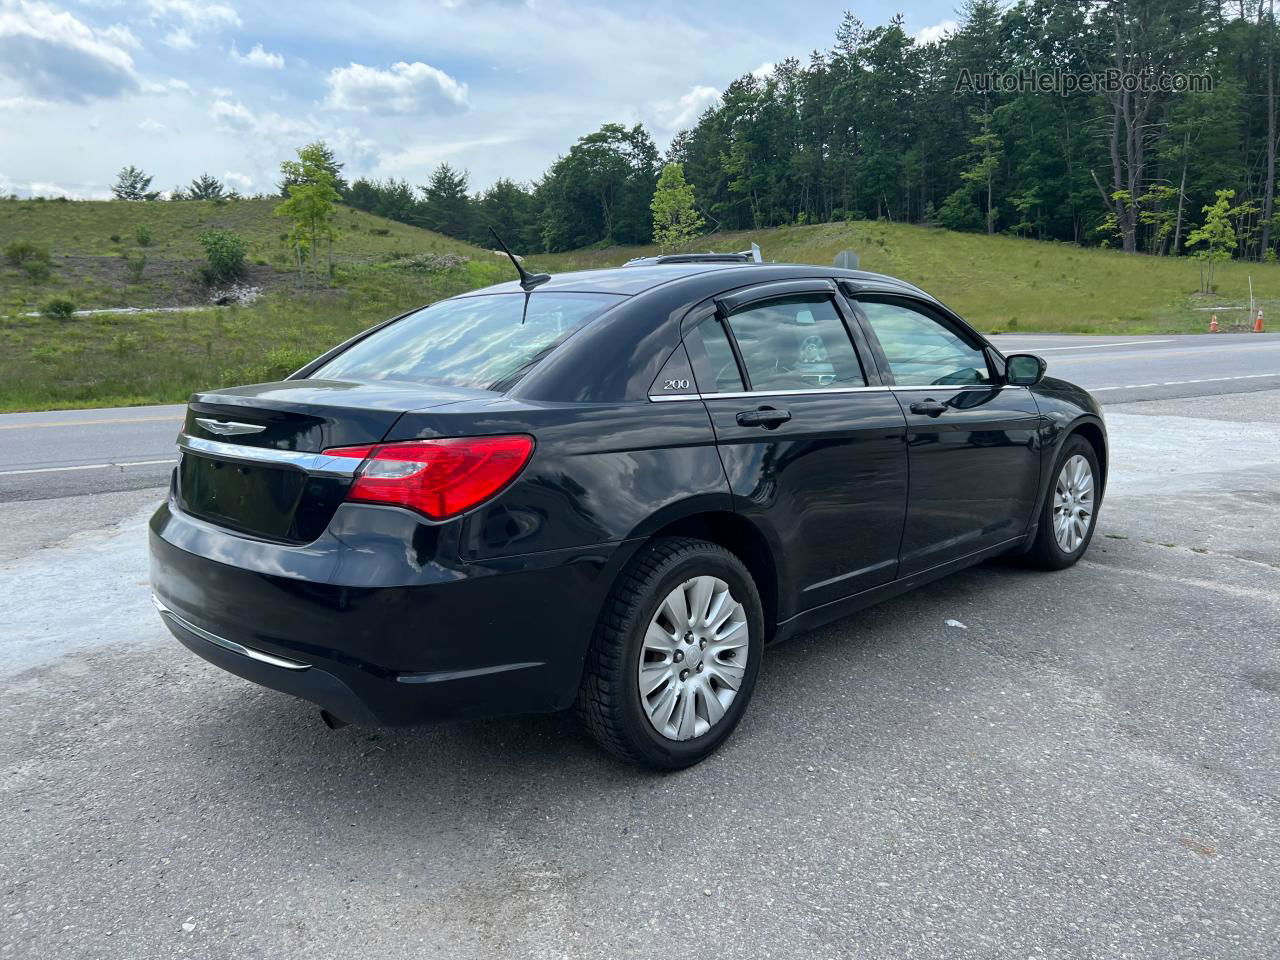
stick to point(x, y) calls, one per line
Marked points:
point(1005, 764)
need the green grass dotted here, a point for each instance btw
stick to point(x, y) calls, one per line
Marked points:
point(122, 359)
point(1003, 284)
point(85, 228)
point(999, 283)
point(159, 357)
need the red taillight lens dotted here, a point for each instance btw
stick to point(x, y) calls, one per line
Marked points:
point(440, 478)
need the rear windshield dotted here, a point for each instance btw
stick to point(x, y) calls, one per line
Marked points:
point(482, 342)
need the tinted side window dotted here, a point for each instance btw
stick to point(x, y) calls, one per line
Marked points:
point(922, 351)
point(724, 366)
point(797, 344)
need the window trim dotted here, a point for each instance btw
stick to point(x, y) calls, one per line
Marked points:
point(766, 292)
point(943, 318)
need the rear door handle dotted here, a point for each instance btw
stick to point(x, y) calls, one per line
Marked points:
point(766, 417)
point(930, 408)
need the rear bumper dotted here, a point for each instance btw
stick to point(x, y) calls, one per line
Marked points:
point(459, 641)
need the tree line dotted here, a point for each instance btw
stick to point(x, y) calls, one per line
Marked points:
point(882, 126)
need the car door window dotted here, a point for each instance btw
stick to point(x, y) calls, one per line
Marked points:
point(723, 365)
point(795, 344)
point(921, 350)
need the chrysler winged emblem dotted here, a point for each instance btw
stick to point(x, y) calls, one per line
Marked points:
point(229, 428)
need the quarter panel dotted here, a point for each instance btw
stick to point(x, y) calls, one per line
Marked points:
point(599, 472)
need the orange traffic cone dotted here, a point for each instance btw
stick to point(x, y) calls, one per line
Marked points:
point(1257, 324)
point(1213, 323)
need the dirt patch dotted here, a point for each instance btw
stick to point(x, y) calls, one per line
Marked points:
point(165, 283)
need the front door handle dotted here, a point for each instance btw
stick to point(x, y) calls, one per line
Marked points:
point(929, 408)
point(766, 417)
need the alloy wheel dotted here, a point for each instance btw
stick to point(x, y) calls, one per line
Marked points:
point(1073, 503)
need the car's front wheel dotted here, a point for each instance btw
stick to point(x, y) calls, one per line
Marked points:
point(675, 655)
point(1070, 510)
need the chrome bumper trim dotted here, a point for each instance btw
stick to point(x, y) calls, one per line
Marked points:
point(317, 464)
point(228, 644)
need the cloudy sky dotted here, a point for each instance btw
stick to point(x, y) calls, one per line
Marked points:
point(498, 87)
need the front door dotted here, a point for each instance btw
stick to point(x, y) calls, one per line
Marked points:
point(812, 446)
point(972, 440)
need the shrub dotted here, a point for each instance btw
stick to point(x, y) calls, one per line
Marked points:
point(225, 251)
point(37, 271)
point(380, 231)
point(115, 238)
point(277, 364)
point(123, 344)
point(59, 308)
point(134, 264)
point(143, 235)
point(24, 251)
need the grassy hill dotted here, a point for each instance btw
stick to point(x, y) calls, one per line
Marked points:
point(1005, 283)
point(161, 353)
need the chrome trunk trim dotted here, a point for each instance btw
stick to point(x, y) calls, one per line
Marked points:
point(319, 464)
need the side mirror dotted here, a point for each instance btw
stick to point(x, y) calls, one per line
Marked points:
point(1024, 369)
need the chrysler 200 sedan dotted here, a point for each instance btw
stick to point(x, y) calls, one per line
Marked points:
point(610, 491)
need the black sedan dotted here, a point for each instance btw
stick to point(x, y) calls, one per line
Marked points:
point(609, 490)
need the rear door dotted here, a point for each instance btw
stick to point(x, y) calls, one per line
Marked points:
point(812, 444)
point(972, 440)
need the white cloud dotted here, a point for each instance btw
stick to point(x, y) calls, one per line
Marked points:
point(187, 19)
point(43, 188)
point(422, 155)
point(51, 54)
point(179, 39)
point(257, 57)
point(238, 181)
point(194, 15)
point(764, 71)
point(684, 112)
point(233, 115)
point(936, 32)
point(121, 36)
point(151, 125)
point(405, 88)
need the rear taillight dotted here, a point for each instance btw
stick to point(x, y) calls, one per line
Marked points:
point(440, 478)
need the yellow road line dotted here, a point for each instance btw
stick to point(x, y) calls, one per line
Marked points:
point(84, 423)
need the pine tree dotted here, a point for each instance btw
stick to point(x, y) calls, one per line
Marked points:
point(206, 187)
point(133, 184)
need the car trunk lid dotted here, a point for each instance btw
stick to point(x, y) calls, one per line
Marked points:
point(252, 457)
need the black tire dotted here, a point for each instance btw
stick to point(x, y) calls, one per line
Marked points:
point(608, 702)
point(1045, 552)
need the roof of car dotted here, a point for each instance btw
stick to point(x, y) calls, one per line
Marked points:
point(637, 278)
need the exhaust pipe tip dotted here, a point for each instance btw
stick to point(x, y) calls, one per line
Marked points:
point(332, 722)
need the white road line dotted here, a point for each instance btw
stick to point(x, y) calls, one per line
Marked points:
point(1177, 383)
point(1099, 346)
point(87, 466)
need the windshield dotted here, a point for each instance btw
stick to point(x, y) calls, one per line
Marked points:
point(468, 342)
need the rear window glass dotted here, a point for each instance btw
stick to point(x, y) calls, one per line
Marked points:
point(480, 342)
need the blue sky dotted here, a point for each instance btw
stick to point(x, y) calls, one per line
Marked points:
point(498, 87)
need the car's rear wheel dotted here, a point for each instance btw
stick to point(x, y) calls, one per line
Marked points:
point(1070, 511)
point(675, 655)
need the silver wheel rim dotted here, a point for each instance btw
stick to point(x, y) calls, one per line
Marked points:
point(693, 658)
point(1073, 504)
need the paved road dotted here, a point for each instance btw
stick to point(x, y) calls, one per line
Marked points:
point(44, 455)
point(1088, 767)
